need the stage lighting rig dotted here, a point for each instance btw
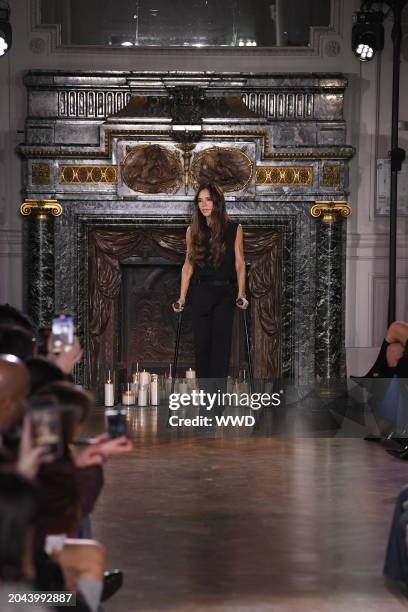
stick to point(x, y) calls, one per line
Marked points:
point(367, 38)
point(367, 34)
point(6, 37)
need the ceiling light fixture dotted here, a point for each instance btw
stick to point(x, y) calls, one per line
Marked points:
point(367, 35)
point(6, 36)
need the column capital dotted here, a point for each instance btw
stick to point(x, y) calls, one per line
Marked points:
point(330, 210)
point(42, 209)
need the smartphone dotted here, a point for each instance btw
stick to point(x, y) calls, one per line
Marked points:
point(46, 426)
point(115, 422)
point(62, 333)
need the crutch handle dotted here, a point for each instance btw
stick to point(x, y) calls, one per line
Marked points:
point(241, 301)
point(178, 306)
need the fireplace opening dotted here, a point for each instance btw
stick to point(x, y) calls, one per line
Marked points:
point(148, 323)
point(134, 276)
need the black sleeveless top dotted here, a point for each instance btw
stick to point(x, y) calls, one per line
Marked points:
point(226, 270)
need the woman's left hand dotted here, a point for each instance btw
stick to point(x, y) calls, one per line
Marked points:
point(242, 302)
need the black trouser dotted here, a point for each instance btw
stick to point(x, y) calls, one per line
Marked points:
point(396, 559)
point(213, 315)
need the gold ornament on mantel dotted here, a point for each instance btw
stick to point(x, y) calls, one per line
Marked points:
point(330, 210)
point(42, 209)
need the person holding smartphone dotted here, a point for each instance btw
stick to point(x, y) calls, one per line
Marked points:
point(214, 266)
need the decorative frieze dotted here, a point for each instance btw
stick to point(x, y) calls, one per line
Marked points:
point(284, 175)
point(40, 174)
point(69, 175)
point(79, 103)
point(331, 175)
point(282, 105)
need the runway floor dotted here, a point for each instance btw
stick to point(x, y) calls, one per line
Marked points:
point(248, 523)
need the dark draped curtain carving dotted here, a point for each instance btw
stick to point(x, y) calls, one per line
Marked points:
point(107, 248)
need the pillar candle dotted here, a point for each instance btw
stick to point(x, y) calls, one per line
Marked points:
point(144, 378)
point(167, 386)
point(154, 398)
point(190, 373)
point(183, 386)
point(109, 392)
point(142, 399)
point(128, 397)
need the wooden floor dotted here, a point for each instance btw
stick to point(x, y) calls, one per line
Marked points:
point(248, 523)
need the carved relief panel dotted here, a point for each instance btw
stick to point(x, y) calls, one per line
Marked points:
point(153, 168)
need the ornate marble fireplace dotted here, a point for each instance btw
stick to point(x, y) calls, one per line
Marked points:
point(112, 161)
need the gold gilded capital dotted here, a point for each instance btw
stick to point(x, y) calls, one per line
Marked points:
point(43, 209)
point(330, 210)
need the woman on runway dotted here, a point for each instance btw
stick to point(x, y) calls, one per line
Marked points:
point(215, 268)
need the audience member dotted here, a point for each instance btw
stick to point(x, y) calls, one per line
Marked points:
point(67, 483)
point(396, 559)
point(17, 341)
point(11, 317)
point(393, 356)
point(42, 373)
point(18, 514)
point(14, 388)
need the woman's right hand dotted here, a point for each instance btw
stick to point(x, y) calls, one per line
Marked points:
point(179, 305)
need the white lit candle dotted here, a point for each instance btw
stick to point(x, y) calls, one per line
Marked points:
point(154, 390)
point(128, 397)
point(167, 386)
point(109, 392)
point(190, 373)
point(182, 386)
point(144, 378)
point(142, 399)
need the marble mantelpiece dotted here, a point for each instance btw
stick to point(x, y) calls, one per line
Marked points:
point(294, 138)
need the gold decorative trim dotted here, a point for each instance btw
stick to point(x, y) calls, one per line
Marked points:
point(310, 155)
point(329, 211)
point(40, 174)
point(197, 160)
point(284, 175)
point(83, 175)
point(331, 175)
point(187, 150)
point(263, 134)
point(43, 209)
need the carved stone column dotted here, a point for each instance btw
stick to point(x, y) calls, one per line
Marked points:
point(40, 258)
point(329, 327)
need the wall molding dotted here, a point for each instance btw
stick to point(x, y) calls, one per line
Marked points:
point(318, 35)
point(11, 243)
point(378, 288)
point(374, 246)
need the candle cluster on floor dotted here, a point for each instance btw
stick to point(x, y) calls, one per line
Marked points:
point(148, 389)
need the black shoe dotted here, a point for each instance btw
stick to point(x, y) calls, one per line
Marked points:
point(400, 454)
point(112, 581)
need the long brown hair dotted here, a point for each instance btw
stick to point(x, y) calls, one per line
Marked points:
point(200, 230)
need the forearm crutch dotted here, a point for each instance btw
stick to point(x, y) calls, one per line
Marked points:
point(248, 346)
point(176, 350)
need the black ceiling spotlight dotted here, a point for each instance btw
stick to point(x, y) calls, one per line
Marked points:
point(367, 35)
point(6, 36)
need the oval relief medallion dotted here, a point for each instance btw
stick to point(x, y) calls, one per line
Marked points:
point(231, 168)
point(151, 168)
